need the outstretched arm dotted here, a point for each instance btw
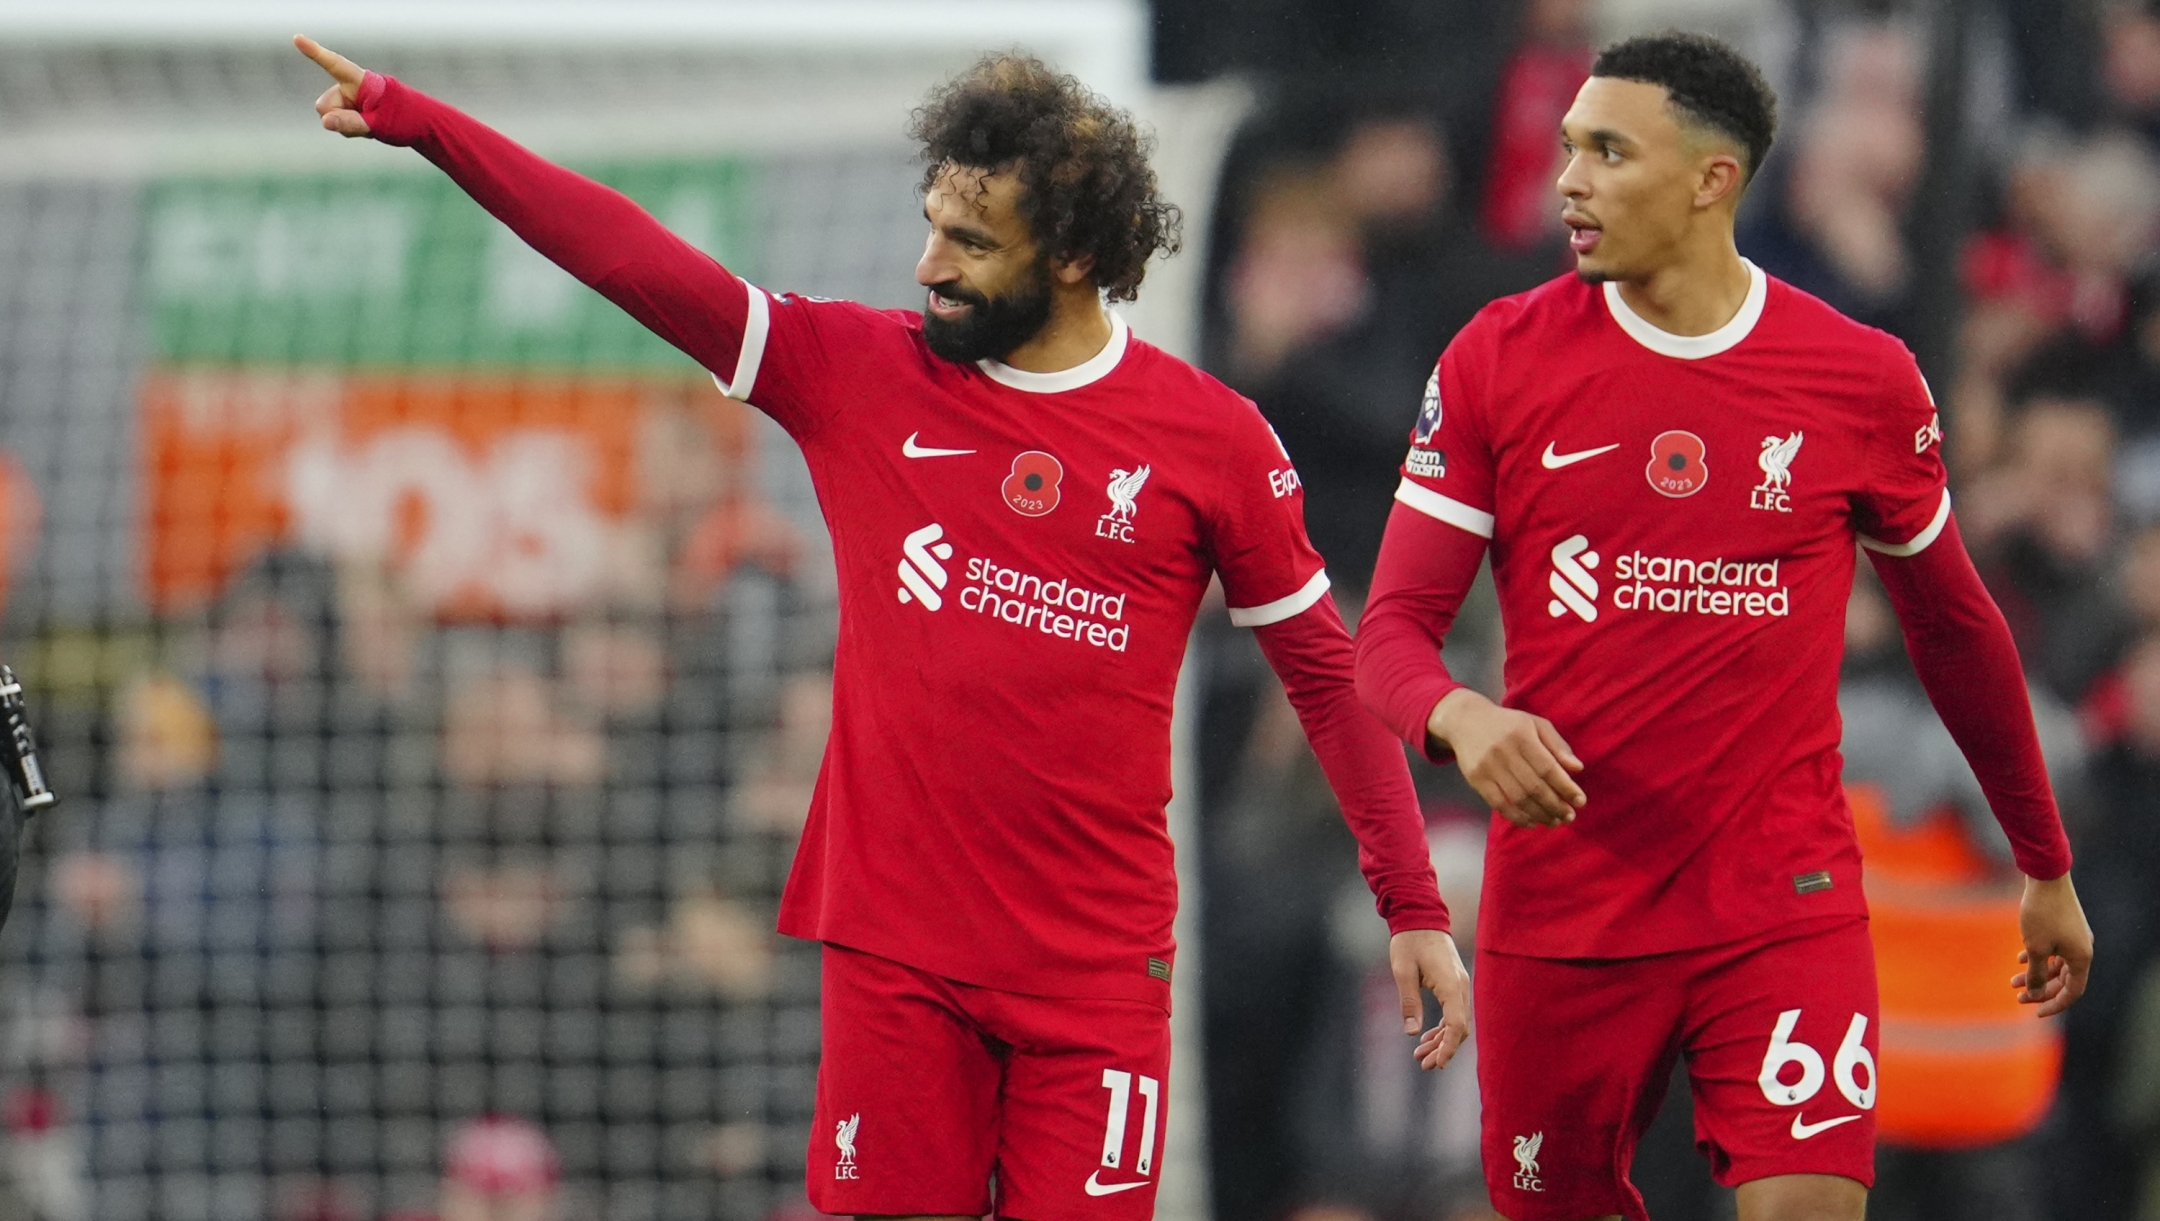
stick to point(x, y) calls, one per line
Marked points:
point(591, 231)
point(1312, 653)
point(1963, 653)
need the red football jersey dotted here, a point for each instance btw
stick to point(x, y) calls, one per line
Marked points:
point(1672, 523)
point(1021, 557)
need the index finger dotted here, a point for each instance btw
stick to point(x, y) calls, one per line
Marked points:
point(1554, 774)
point(1541, 800)
point(1454, 998)
point(1548, 777)
point(343, 70)
point(1550, 736)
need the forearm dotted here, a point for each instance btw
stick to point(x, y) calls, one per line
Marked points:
point(1312, 654)
point(1962, 651)
point(1425, 570)
point(595, 233)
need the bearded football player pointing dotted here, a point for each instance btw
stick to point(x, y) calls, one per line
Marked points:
point(1670, 457)
point(1027, 504)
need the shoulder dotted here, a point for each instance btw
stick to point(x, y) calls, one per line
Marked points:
point(1531, 316)
point(1869, 364)
point(1193, 393)
point(844, 337)
point(825, 311)
point(1192, 387)
point(1210, 417)
point(1804, 318)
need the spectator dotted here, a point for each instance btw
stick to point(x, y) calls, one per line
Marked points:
point(1376, 1136)
point(497, 1169)
point(1537, 84)
point(1943, 895)
point(1274, 852)
point(44, 1157)
point(2079, 220)
point(1832, 219)
point(2095, 1150)
point(2041, 525)
point(2131, 67)
point(1349, 274)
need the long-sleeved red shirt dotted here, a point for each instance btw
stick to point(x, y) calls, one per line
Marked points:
point(1021, 556)
point(1672, 523)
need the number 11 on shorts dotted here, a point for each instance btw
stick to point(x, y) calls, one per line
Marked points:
point(1120, 1085)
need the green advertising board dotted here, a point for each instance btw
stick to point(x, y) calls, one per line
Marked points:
point(404, 271)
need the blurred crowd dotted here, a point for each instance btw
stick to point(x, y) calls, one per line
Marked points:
point(1368, 209)
point(367, 904)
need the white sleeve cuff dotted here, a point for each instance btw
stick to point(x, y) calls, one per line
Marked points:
point(1919, 542)
point(1282, 608)
point(756, 326)
point(1454, 512)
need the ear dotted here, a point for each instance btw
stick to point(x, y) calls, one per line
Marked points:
point(1073, 271)
point(1720, 179)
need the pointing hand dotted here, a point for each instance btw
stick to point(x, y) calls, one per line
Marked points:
point(339, 105)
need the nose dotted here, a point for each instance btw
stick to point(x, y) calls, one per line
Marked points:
point(936, 265)
point(1572, 184)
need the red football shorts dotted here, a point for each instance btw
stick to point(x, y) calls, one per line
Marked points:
point(1574, 1055)
point(932, 1092)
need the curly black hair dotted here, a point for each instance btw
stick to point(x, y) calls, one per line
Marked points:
point(1086, 188)
point(1709, 83)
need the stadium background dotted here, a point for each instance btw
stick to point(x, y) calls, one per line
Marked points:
point(434, 665)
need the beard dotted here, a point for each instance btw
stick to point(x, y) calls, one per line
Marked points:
point(994, 326)
point(1592, 277)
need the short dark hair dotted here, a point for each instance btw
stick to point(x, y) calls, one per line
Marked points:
point(1086, 188)
point(1709, 83)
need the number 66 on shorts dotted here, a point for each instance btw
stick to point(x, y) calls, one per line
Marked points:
point(1853, 1061)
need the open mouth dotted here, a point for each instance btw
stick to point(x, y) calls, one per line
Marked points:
point(947, 307)
point(1583, 233)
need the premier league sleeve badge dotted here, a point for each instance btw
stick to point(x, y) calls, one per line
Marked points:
point(1428, 416)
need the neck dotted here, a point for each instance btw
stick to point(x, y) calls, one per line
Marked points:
point(1694, 294)
point(1079, 328)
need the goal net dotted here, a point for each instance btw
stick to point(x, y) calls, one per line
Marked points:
point(433, 665)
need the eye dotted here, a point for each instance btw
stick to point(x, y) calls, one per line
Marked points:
point(1611, 155)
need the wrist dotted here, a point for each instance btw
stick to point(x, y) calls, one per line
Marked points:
point(1442, 723)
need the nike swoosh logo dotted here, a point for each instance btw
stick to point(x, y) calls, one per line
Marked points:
point(913, 450)
point(1553, 462)
point(1095, 1188)
point(1801, 1131)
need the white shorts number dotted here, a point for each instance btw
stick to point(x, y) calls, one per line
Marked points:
point(1852, 1057)
point(1120, 1085)
point(1783, 1052)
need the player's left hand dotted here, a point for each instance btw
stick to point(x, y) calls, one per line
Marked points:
point(1425, 960)
point(2058, 946)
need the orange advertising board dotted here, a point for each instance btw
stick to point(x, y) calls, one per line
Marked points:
point(490, 496)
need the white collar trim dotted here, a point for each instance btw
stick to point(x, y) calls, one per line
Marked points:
point(1087, 372)
point(1692, 347)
